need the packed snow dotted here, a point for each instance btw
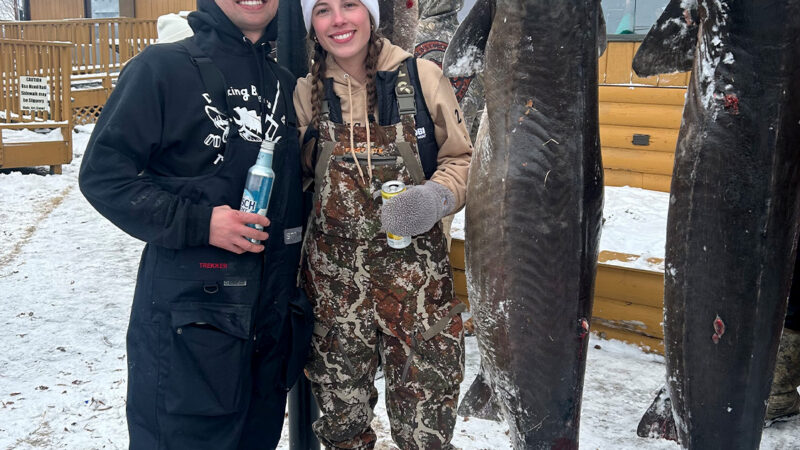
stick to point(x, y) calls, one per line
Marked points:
point(66, 284)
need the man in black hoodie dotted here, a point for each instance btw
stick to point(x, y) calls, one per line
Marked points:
point(218, 329)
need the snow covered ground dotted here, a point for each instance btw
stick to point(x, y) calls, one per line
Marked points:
point(66, 283)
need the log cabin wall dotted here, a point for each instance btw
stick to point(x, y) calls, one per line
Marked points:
point(639, 119)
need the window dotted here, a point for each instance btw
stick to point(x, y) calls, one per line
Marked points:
point(632, 16)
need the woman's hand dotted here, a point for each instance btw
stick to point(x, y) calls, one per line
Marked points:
point(416, 210)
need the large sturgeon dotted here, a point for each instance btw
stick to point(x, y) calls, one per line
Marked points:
point(732, 223)
point(534, 206)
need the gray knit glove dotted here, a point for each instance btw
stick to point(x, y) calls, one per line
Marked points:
point(416, 210)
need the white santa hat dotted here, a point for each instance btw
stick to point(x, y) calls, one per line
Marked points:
point(372, 7)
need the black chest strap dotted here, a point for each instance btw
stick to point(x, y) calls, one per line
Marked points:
point(212, 77)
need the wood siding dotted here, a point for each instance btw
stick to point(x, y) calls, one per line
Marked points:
point(649, 108)
point(57, 9)
point(151, 9)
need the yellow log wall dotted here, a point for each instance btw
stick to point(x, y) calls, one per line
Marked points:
point(631, 105)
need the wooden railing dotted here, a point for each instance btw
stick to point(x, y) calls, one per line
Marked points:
point(99, 46)
point(50, 60)
point(50, 63)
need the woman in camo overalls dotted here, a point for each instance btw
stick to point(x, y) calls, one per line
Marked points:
point(370, 113)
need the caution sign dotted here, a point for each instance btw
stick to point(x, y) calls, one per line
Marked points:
point(34, 94)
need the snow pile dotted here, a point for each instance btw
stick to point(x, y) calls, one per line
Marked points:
point(66, 283)
point(25, 135)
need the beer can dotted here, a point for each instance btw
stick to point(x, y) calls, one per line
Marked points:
point(389, 190)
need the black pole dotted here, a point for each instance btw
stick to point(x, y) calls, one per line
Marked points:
point(303, 412)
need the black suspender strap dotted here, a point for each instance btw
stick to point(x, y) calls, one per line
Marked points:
point(213, 80)
point(331, 106)
point(326, 109)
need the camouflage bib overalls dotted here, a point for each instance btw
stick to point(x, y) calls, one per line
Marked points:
point(371, 300)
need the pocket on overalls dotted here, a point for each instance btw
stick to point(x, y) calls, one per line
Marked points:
point(209, 358)
point(328, 362)
point(438, 344)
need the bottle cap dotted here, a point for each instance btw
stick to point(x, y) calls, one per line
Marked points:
point(267, 146)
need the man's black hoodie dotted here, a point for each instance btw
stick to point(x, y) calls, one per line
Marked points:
point(159, 121)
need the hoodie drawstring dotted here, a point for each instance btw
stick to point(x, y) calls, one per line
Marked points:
point(352, 139)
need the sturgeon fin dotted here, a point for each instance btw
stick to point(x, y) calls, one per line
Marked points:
point(479, 400)
point(467, 49)
point(670, 44)
point(602, 38)
point(657, 421)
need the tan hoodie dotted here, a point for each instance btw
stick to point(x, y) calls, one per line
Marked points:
point(455, 148)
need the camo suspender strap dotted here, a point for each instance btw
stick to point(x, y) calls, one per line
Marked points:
point(407, 107)
point(404, 90)
point(322, 164)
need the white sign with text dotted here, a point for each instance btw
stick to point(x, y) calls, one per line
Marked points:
point(34, 94)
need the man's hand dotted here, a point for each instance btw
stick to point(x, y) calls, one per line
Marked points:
point(229, 230)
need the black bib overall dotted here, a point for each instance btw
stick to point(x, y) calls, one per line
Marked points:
point(216, 339)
